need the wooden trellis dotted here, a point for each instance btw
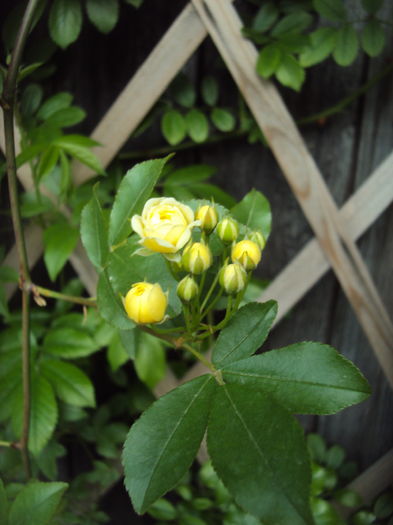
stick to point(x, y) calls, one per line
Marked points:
point(336, 230)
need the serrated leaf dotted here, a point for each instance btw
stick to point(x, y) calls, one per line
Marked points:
point(322, 44)
point(69, 343)
point(183, 91)
point(347, 45)
point(150, 362)
point(305, 378)
point(197, 125)
point(54, 104)
point(43, 413)
point(162, 443)
point(295, 22)
point(223, 119)
point(210, 90)
point(94, 231)
point(73, 145)
point(129, 340)
point(103, 14)
point(254, 212)
point(70, 384)
point(244, 333)
point(333, 10)
point(173, 127)
point(372, 6)
point(59, 242)
point(208, 192)
point(265, 17)
point(134, 190)
point(373, 38)
point(290, 73)
point(48, 458)
point(65, 117)
point(65, 21)
point(36, 503)
point(253, 443)
point(110, 306)
point(269, 59)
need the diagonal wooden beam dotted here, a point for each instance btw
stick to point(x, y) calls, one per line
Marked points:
point(299, 168)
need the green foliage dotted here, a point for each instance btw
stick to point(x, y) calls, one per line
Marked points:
point(65, 21)
point(103, 14)
point(59, 242)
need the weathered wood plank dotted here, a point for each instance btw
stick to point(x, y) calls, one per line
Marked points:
point(224, 26)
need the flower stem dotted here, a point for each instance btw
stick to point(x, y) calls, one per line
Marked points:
point(86, 301)
point(207, 297)
point(8, 104)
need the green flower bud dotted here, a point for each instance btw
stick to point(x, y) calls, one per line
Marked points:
point(187, 289)
point(247, 253)
point(197, 258)
point(233, 278)
point(228, 230)
point(259, 239)
point(208, 217)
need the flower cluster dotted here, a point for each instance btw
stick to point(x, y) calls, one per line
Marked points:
point(183, 237)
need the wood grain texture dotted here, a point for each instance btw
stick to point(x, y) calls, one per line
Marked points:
point(224, 26)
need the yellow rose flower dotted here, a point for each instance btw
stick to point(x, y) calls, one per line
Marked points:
point(145, 303)
point(247, 253)
point(164, 226)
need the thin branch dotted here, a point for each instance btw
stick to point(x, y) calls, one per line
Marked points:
point(39, 291)
point(8, 103)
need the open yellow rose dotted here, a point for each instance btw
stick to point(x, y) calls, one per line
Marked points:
point(164, 226)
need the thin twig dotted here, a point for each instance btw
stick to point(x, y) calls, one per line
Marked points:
point(8, 103)
point(38, 291)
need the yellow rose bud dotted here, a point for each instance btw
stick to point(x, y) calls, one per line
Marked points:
point(247, 253)
point(164, 226)
point(258, 238)
point(145, 303)
point(227, 229)
point(187, 289)
point(233, 278)
point(208, 217)
point(197, 258)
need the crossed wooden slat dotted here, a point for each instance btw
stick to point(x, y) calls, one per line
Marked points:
point(336, 231)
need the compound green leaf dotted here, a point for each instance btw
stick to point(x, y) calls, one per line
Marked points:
point(69, 343)
point(117, 354)
point(347, 45)
point(47, 162)
point(31, 99)
point(59, 242)
point(173, 127)
point(43, 413)
point(190, 174)
point(373, 38)
point(163, 442)
point(3, 504)
point(305, 378)
point(66, 117)
point(265, 17)
point(134, 190)
point(333, 10)
point(223, 119)
point(103, 14)
point(269, 59)
point(254, 211)
point(150, 362)
point(78, 147)
point(36, 503)
point(70, 384)
point(65, 21)
point(258, 450)
point(183, 91)
point(295, 22)
point(94, 232)
point(245, 333)
point(197, 125)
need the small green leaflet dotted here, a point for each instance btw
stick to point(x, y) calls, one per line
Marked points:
point(254, 211)
point(94, 231)
point(163, 442)
point(245, 333)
